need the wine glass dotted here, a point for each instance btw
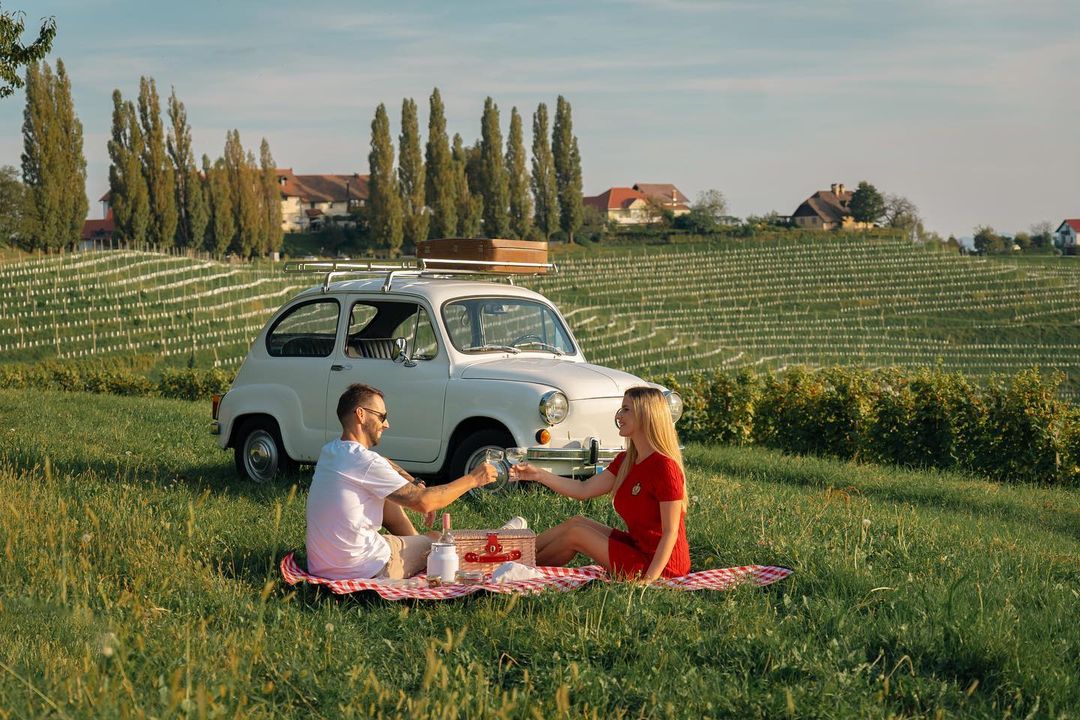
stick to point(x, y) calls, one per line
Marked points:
point(494, 456)
point(514, 455)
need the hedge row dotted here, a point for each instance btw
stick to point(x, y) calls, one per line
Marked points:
point(182, 384)
point(1012, 429)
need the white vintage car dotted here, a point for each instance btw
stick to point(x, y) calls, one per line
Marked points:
point(465, 365)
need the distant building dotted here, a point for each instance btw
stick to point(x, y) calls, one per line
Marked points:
point(827, 210)
point(307, 200)
point(622, 205)
point(640, 204)
point(1065, 235)
point(97, 233)
point(666, 195)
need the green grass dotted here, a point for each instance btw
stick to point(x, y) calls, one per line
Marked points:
point(140, 579)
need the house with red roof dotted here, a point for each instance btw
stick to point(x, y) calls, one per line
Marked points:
point(1065, 235)
point(828, 210)
point(666, 196)
point(97, 233)
point(622, 205)
point(307, 200)
point(639, 204)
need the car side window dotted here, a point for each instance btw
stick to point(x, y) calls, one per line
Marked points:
point(305, 330)
point(382, 330)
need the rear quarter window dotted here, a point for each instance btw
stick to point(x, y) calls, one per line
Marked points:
point(305, 330)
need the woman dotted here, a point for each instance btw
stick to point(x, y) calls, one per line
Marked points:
point(648, 487)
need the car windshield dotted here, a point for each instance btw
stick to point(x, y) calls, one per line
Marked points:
point(496, 324)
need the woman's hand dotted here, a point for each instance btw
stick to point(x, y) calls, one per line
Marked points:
point(524, 471)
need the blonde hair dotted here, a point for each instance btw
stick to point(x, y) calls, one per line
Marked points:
point(651, 411)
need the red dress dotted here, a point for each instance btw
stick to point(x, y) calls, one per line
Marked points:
point(651, 481)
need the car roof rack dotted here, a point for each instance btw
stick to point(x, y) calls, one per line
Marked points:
point(417, 267)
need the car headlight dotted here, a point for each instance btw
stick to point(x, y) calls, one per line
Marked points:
point(674, 404)
point(554, 407)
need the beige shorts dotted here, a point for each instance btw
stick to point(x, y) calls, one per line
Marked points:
point(408, 556)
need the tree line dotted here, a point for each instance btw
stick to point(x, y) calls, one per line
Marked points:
point(159, 195)
point(443, 188)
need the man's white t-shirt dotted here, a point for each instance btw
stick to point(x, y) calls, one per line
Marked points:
point(345, 511)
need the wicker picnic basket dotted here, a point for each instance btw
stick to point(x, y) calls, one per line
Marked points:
point(487, 549)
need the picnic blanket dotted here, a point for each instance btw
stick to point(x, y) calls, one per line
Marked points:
point(554, 578)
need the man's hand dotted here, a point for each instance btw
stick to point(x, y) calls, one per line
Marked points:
point(484, 474)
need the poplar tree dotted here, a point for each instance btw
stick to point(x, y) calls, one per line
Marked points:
point(411, 176)
point(128, 196)
point(192, 214)
point(74, 204)
point(518, 177)
point(259, 239)
point(53, 165)
point(440, 188)
point(246, 218)
point(494, 187)
point(275, 236)
point(567, 170)
point(386, 220)
point(158, 171)
point(220, 203)
point(543, 175)
point(470, 206)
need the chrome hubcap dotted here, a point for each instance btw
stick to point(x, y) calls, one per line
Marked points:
point(260, 456)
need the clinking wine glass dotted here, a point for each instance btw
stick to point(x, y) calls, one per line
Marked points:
point(497, 457)
point(515, 455)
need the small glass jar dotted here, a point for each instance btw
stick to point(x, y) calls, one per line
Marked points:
point(470, 577)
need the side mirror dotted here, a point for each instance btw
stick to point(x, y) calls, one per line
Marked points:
point(402, 356)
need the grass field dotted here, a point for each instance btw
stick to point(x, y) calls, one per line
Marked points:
point(808, 299)
point(140, 581)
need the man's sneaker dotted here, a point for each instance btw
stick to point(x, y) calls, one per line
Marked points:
point(515, 523)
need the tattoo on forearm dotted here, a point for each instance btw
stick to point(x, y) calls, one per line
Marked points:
point(406, 495)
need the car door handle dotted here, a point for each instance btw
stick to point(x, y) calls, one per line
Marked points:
point(339, 368)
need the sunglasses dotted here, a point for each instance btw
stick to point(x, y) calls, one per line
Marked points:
point(381, 415)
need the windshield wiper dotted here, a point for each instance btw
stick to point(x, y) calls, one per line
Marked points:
point(545, 346)
point(485, 348)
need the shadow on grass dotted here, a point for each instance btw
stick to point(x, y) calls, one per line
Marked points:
point(211, 475)
point(911, 487)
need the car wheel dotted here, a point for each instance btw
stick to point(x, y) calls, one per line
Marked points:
point(259, 453)
point(470, 453)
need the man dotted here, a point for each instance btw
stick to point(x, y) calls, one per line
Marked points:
point(355, 491)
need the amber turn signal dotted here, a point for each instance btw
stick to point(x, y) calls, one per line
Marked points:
point(543, 436)
point(215, 403)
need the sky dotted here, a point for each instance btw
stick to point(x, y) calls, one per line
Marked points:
point(971, 109)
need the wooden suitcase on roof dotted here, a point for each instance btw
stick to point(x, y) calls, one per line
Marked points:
point(488, 250)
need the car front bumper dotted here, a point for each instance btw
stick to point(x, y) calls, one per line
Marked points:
point(586, 460)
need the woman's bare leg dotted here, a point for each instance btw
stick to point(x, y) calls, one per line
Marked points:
point(567, 540)
point(544, 538)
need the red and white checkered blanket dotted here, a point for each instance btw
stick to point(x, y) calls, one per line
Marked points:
point(555, 578)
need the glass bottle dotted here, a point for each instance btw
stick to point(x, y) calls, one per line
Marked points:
point(446, 536)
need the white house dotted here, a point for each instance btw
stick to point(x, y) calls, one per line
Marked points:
point(306, 200)
point(639, 204)
point(1065, 235)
